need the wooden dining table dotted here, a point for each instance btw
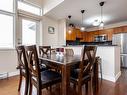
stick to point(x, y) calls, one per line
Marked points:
point(64, 64)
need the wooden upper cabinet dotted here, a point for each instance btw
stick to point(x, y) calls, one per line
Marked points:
point(90, 36)
point(71, 36)
point(78, 33)
point(125, 29)
point(84, 37)
point(96, 33)
point(118, 30)
point(109, 33)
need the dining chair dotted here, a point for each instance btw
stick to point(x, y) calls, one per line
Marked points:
point(44, 51)
point(40, 79)
point(84, 73)
point(23, 68)
point(69, 52)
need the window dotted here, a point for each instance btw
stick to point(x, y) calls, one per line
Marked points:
point(29, 29)
point(6, 5)
point(29, 8)
point(7, 24)
point(6, 31)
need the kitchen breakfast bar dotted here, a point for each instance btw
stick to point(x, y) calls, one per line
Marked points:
point(110, 60)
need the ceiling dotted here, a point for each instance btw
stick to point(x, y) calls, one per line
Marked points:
point(114, 11)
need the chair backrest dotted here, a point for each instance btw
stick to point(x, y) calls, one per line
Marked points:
point(23, 65)
point(69, 52)
point(88, 60)
point(44, 50)
point(33, 63)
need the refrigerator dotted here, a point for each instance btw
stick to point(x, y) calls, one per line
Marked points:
point(121, 40)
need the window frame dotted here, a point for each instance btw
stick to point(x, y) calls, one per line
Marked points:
point(37, 29)
point(12, 14)
point(30, 4)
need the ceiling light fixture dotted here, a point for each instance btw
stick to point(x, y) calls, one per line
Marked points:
point(96, 23)
point(82, 28)
point(70, 25)
point(101, 23)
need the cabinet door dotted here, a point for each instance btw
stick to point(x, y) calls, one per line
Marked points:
point(90, 36)
point(125, 29)
point(71, 36)
point(84, 35)
point(68, 37)
point(118, 30)
point(109, 33)
point(79, 33)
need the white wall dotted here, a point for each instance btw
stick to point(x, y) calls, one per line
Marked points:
point(8, 61)
point(62, 32)
point(59, 37)
point(50, 4)
point(49, 39)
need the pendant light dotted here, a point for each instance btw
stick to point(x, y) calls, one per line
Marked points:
point(70, 25)
point(82, 28)
point(101, 23)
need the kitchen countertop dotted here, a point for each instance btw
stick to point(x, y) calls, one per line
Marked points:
point(91, 45)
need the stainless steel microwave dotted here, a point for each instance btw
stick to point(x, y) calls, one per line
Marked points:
point(100, 38)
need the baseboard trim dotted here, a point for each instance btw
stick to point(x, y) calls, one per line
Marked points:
point(13, 73)
point(111, 78)
point(117, 76)
point(8, 74)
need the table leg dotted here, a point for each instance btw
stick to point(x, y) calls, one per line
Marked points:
point(65, 80)
point(96, 79)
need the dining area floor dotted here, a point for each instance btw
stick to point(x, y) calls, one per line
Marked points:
point(9, 87)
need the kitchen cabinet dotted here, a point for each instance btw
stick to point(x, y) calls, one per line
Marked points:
point(84, 37)
point(125, 29)
point(118, 30)
point(90, 36)
point(79, 33)
point(71, 36)
point(108, 33)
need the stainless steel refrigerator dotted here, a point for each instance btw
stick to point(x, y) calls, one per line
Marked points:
point(121, 40)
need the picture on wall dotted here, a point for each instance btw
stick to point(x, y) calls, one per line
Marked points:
point(51, 30)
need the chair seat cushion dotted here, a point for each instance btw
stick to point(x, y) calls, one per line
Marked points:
point(49, 77)
point(75, 73)
point(43, 67)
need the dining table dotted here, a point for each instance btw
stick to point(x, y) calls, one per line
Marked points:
point(64, 63)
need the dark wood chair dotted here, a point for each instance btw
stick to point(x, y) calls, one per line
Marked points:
point(84, 73)
point(40, 79)
point(23, 67)
point(44, 50)
point(69, 52)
